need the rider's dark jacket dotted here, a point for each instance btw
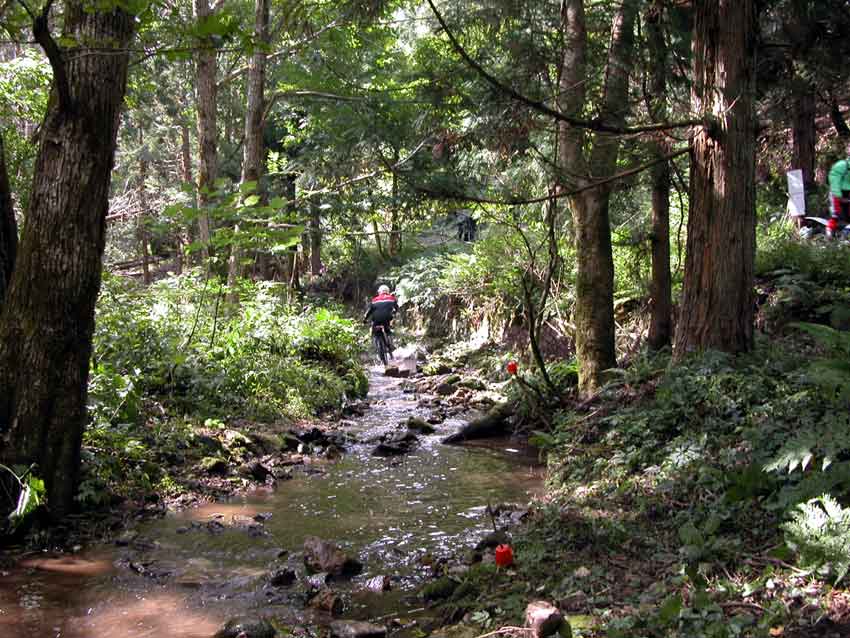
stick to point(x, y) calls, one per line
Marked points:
point(382, 309)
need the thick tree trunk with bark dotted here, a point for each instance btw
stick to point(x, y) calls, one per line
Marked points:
point(660, 290)
point(718, 299)
point(8, 227)
point(253, 155)
point(206, 69)
point(594, 313)
point(47, 321)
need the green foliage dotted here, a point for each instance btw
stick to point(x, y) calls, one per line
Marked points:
point(177, 341)
point(832, 373)
point(821, 262)
point(819, 531)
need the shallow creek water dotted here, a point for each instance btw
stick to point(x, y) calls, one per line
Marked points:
point(396, 515)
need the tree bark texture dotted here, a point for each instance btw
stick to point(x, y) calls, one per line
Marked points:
point(718, 300)
point(660, 289)
point(804, 131)
point(253, 155)
point(206, 69)
point(47, 321)
point(8, 227)
point(594, 309)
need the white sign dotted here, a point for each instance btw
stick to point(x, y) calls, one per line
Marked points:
point(796, 193)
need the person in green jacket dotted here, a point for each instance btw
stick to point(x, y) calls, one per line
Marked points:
point(839, 191)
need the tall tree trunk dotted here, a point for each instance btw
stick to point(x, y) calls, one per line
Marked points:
point(184, 236)
point(838, 121)
point(378, 244)
point(8, 227)
point(804, 132)
point(315, 236)
point(395, 226)
point(660, 290)
point(206, 69)
point(594, 308)
point(144, 236)
point(253, 151)
point(718, 299)
point(47, 321)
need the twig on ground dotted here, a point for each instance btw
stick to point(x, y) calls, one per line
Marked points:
point(506, 630)
point(742, 605)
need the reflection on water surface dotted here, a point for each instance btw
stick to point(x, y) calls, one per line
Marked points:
point(395, 514)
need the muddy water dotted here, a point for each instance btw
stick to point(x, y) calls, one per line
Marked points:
point(191, 571)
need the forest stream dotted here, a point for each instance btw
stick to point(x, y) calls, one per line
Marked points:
point(185, 575)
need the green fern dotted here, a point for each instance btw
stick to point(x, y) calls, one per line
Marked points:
point(819, 532)
point(833, 372)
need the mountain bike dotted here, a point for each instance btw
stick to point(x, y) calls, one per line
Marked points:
point(382, 342)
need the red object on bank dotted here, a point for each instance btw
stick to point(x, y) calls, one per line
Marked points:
point(504, 556)
point(512, 367)
point(832, 224)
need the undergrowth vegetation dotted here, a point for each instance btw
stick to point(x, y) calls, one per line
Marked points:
point(175, 356)
point(709, 497)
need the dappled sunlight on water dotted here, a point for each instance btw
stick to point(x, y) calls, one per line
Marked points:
point(154, 614)
point(69, 565)
point(202, 566)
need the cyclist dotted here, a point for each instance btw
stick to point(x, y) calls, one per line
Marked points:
point(381, 311)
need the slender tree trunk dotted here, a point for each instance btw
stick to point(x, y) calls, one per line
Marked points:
point(660, 293)
point(594, 308)
point(144, 236)
point(47, 321)
point(395, 227)
point(253, 151)
point(378, 244)
point(184, 236)
point(718, 299)
point(8, 227)
point(206, 69)
point(315, 236)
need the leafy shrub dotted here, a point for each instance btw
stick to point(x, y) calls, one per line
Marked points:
point(175, 341)
point(822, 262)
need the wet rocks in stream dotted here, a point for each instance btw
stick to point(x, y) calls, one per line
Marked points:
point(377, 584)
point(357, 629)
point(327, 600)
point(396, 443)
point(282, 577)
point(418, 424)
point(247, 628)
point(543, 618)
point(323, 556)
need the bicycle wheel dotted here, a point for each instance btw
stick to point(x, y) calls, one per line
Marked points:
point(381, 346)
